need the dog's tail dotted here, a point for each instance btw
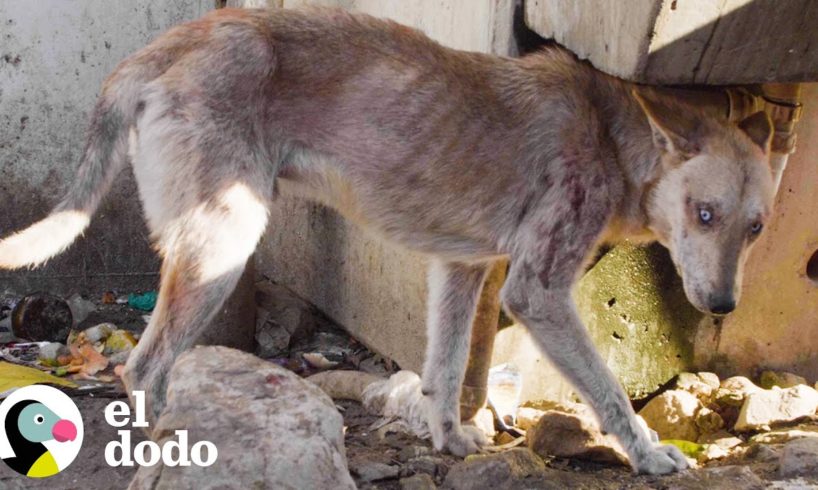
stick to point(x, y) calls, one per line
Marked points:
point(104, 157)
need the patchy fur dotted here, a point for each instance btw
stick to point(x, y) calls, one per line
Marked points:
point(462, 156)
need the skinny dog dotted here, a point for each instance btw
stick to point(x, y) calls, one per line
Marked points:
point(464, 157)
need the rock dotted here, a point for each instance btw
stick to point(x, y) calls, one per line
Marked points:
point(766, 407)
point(573, 435)
point(410, 452)
point(786, 435)
point(369, 471)
point(763, 453)
point(673, 415)
point(527, 417)
point(418, 482)
point(721, 438)
point(695, 385)
point(734, 390)
point(711, 452)
point(722, 477)
point(429, 465)
point(782, 379)
point(282, 318)
point(272, 429)
point(494, 470)
point(41, 317)
point(799, 458)
point(708, 421)
point(710, 379)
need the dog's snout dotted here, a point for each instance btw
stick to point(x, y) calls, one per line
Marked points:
point(722, 306)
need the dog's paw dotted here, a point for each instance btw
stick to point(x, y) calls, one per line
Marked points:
point(462, 441)
point(661, 459)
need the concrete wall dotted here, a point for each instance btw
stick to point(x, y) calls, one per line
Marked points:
point(776, 322)
point(54, 55)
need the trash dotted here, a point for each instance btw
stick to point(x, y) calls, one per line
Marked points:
point(505, 384)
point(99, 333)
point(143, 302)
point(54, 354)
point(13, 376)
point(119, 341)
point(108, 298)
point(319, 361)
point(6, 335)
point(80, 308)
point(41, 317)
point(87, 359)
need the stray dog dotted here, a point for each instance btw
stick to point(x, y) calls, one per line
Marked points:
point(465, 157)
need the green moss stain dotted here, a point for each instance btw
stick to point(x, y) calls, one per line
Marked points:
point(634, 306)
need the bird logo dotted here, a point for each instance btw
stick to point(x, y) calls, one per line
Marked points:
point(42, 429)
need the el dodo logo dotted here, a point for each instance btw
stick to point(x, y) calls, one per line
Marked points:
point(40, 431)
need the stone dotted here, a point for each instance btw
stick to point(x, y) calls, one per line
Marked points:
point(763, 453)
point(734, 390)
point(708, 421)
point(799, 458)
point(369, 471)
point(711, 452)
point(695, 385)
point(673, 415)
point(721, 438)
point(282, 318)
point(766, 407)
point(782, 379)
point(429, 465)
point(494, 470)
point(527, 417)
point(418, 482)
point(710, 379)
point(786, 435)
point(272, 429)
point(410, 452)
point(573, 435)
point(722, 477)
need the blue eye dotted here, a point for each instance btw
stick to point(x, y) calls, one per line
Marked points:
point(705, 216)
point(756, 228)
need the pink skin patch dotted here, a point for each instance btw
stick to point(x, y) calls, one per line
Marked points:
point(64, 430)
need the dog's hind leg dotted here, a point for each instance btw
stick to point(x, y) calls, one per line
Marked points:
point(454, 289)
point(204, 255)
point(538, 294)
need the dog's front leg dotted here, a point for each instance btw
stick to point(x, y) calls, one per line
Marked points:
point(550, 315)
point(454, 289)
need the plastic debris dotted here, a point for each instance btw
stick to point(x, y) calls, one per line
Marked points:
point(13, 376)
point(143, 302)
point(80, 308)
point(505, 386)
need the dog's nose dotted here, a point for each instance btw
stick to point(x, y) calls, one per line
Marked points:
point(723, 307)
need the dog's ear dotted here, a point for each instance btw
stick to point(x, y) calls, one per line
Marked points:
point(674, 129)
point(759, 128)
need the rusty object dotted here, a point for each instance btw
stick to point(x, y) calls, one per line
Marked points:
point(41, 317)
point(475, 391)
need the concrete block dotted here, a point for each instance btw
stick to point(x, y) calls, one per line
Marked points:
point(682, 42)
point(635, 310)
point(53, 57)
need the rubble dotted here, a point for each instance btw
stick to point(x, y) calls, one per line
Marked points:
point(227, 396)
point(495, 470)
point(799, 458)
point(781, 379)
point(418, 482)
point(573, 435)
point(672, 415)
point(733, 391)
point(764, 408)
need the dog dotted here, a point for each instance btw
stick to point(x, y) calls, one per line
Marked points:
point(465, 157)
